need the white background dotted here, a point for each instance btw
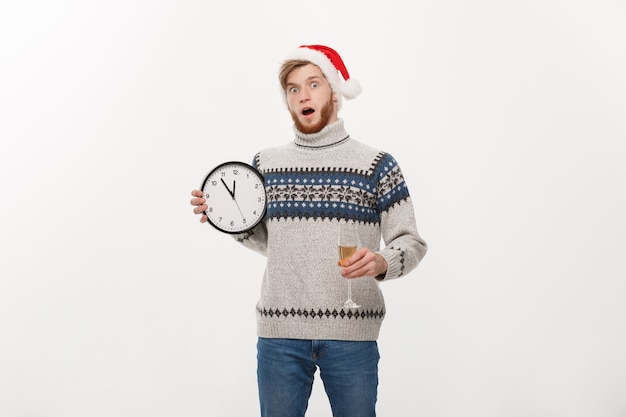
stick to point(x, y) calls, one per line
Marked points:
point(507, 118)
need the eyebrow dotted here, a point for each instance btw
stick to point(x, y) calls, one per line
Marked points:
point(306, 81)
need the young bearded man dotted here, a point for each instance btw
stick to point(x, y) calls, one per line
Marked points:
point(316, 183)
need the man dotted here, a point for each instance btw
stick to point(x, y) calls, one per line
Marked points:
point(320, 181)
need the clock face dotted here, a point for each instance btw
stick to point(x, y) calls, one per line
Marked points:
point(235, 197)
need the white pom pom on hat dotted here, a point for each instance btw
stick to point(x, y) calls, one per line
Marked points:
point(331, 64)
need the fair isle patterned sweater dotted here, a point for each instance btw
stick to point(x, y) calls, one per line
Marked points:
point(312, 184)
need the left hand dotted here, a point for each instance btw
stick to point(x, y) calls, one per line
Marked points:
point(364, 263)
point(199, 206)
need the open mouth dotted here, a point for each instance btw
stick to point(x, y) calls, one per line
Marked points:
point(307, 111)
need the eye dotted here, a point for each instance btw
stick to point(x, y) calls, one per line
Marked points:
point(293, 90)
point(315, 84)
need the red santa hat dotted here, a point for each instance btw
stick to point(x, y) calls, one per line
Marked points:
point(332, 66)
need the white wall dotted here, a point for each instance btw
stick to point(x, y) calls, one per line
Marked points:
point(508, 119)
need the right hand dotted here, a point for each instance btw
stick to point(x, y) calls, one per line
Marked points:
point(199, 206)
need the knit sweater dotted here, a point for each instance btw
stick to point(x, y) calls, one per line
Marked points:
point(313, 184)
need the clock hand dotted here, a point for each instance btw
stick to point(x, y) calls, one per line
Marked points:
point(241, 212)
point(232, 194)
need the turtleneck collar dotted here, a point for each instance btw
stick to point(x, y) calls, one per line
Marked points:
point(330, 135)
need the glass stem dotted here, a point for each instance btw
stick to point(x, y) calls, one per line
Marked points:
point(349, 289)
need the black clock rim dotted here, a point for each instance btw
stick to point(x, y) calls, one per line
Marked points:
point(254, 171)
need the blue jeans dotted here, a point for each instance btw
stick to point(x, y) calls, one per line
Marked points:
point(286, 368)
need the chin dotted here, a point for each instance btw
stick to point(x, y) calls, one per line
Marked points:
point(310, 127)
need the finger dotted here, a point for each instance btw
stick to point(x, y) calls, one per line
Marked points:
point(359, 258)
point(352, 271)
point(197, 201)
point(356, 257)
point(362, 264)
point(196, 193)
point(372, 265)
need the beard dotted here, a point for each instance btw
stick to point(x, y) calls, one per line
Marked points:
point(326, 113)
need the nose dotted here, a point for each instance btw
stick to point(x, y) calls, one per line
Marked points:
point(304, 95)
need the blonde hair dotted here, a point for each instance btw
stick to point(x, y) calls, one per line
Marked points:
point(286, 68)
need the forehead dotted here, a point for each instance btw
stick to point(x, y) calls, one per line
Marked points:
point(303, 73)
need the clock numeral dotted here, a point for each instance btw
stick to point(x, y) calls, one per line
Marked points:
point(235, 172)
point(213, 183)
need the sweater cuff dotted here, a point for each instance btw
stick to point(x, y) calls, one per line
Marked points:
point(394, 266)
point(381, 276)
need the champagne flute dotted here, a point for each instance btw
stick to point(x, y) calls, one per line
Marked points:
point(347, 244)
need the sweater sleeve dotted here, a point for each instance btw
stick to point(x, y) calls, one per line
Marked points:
point(404, 248)
point(255, 239)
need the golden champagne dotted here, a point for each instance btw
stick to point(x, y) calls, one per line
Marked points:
point(345, 252)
